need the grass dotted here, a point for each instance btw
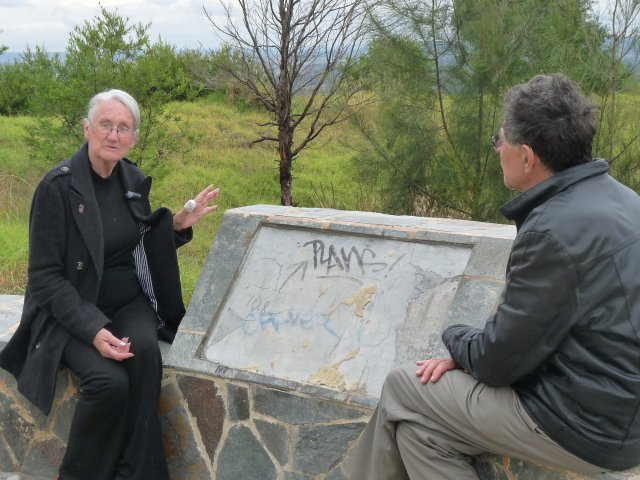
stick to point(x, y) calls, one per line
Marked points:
point(18, 178)
point(13, 245)
point(219, 138)
point(220, 151)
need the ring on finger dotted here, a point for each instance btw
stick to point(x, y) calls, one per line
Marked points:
point(190, 205)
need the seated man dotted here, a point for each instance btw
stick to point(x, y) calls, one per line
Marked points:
point(554, 375)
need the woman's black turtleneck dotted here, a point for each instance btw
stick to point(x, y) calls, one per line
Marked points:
point(121, 234)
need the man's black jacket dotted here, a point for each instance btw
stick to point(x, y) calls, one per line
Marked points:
point(566, 335)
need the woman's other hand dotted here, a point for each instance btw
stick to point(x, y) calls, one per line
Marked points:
point(111, 346)
point(185, 219)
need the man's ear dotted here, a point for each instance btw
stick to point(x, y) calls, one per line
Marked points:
point(531, 160)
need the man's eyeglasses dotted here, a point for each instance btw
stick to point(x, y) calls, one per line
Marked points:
point(496, 141)
point(106, 128)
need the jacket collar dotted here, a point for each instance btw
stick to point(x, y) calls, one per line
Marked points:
point(518, 208)
point(131, 181)
point(84, 207)
point(136, 189)
point(80, 173)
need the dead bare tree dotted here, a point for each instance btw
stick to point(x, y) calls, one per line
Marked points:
point(297, 57)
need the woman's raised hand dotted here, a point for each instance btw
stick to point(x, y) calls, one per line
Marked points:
point(196, 208)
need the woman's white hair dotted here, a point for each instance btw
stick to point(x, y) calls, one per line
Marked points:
point(121, 96)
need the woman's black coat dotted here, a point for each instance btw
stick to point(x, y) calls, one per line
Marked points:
point(65, 271)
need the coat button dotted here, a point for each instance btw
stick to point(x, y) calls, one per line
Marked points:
point(64, 169)
point(37, 345)
point(79, 265)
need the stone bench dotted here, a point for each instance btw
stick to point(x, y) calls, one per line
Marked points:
point(212, 428)
point(208, 424)
point(227, 431)
point(236, 401)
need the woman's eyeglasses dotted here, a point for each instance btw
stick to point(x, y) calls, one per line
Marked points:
point(106, 128)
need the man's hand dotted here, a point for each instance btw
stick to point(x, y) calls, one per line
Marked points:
point(110, 346)
point(434, 368)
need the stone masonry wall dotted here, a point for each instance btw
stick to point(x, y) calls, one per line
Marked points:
point(211, 429)
point(224, 430)
point(229, 430)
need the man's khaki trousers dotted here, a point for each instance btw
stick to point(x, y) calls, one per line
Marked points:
point(431, 431)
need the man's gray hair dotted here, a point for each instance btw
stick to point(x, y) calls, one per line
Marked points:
point(121, 96)
point(551, 115)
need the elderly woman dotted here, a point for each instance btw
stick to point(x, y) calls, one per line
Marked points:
point(103, 287)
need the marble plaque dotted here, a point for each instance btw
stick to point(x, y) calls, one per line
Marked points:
point(325, 308)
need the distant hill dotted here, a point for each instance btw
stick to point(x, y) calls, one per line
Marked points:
point(10, 57)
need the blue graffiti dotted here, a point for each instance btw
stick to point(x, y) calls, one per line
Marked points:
point(290, 319)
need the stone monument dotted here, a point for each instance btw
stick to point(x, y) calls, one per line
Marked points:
point(295, 321)
point(327, 302)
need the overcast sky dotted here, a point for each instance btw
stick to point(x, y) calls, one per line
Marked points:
point(181, 23)
point(48, 22)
